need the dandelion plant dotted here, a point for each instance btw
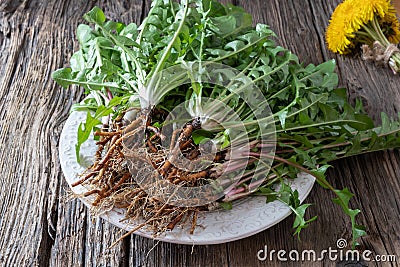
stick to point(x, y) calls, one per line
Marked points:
point(196, 108)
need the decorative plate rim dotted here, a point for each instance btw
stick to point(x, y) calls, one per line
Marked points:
point(214, 227)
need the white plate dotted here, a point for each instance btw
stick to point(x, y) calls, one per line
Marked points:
point(247, 218)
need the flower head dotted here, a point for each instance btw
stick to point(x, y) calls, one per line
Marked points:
point(352, 23)
point(370, 8)
point(339, 32)
point(390, 26)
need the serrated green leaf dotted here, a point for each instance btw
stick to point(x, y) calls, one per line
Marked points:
point(65, 78)
point(282, 118)
point(92, 121)
point(226, 205)
point(223, 25)
point(270, 194)
point(343, 199)
point(291, 198)
point(77, 61)
point(199, 136)
point(84, 34)
point(84, 131)
point(385, 123)
point(96, 15)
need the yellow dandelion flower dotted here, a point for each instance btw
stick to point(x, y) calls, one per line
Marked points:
point(395, 37)
point(338, 40)
point(338, 33)
point(351, 13)
point(391, 26)
point(365, 22)
point(370, 8)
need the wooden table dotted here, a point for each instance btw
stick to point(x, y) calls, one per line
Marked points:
point(40, 225)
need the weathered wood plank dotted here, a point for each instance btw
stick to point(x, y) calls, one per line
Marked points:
point(28, 149)
point(40, 226)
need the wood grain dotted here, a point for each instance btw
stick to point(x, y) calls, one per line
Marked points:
point(41, 226)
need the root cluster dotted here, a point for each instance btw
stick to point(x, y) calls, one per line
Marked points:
point(111, 182)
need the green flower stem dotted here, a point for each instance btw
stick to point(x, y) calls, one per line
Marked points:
point(394, 62)
point(372, 34)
